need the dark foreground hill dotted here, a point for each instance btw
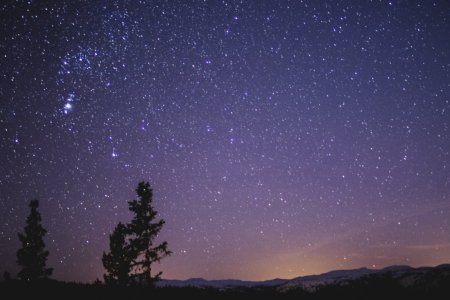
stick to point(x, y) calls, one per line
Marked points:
point(397, 281)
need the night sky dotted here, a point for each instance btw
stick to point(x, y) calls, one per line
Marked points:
point(282, 138)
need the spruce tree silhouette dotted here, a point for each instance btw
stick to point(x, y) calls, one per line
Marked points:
point(143, 229)
point(118, 261)
point(32, 257)
point(132, 249)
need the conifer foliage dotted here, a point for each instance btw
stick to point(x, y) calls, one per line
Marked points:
point(118, 260)
point(32, 257)
point(132, 246)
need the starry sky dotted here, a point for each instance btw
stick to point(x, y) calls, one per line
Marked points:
point(282, 138)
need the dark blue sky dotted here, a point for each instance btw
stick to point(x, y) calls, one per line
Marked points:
point(281, 137)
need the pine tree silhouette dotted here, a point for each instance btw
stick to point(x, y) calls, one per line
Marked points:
point(32, 257)
point(132, 251)
point(118, 261)
point(143, 229)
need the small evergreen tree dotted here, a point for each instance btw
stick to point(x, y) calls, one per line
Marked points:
point(143, 229)
point(32, 257)
point(118, 261)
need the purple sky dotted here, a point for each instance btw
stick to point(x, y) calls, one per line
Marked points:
point(281, 138)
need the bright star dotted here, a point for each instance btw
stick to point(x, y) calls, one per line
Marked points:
point(68, 107)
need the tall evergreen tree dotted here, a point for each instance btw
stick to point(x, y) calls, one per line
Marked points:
point(143, 229)
point(32, 257)
point(118, 261)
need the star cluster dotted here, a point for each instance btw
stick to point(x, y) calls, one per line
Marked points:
point(281, 137)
